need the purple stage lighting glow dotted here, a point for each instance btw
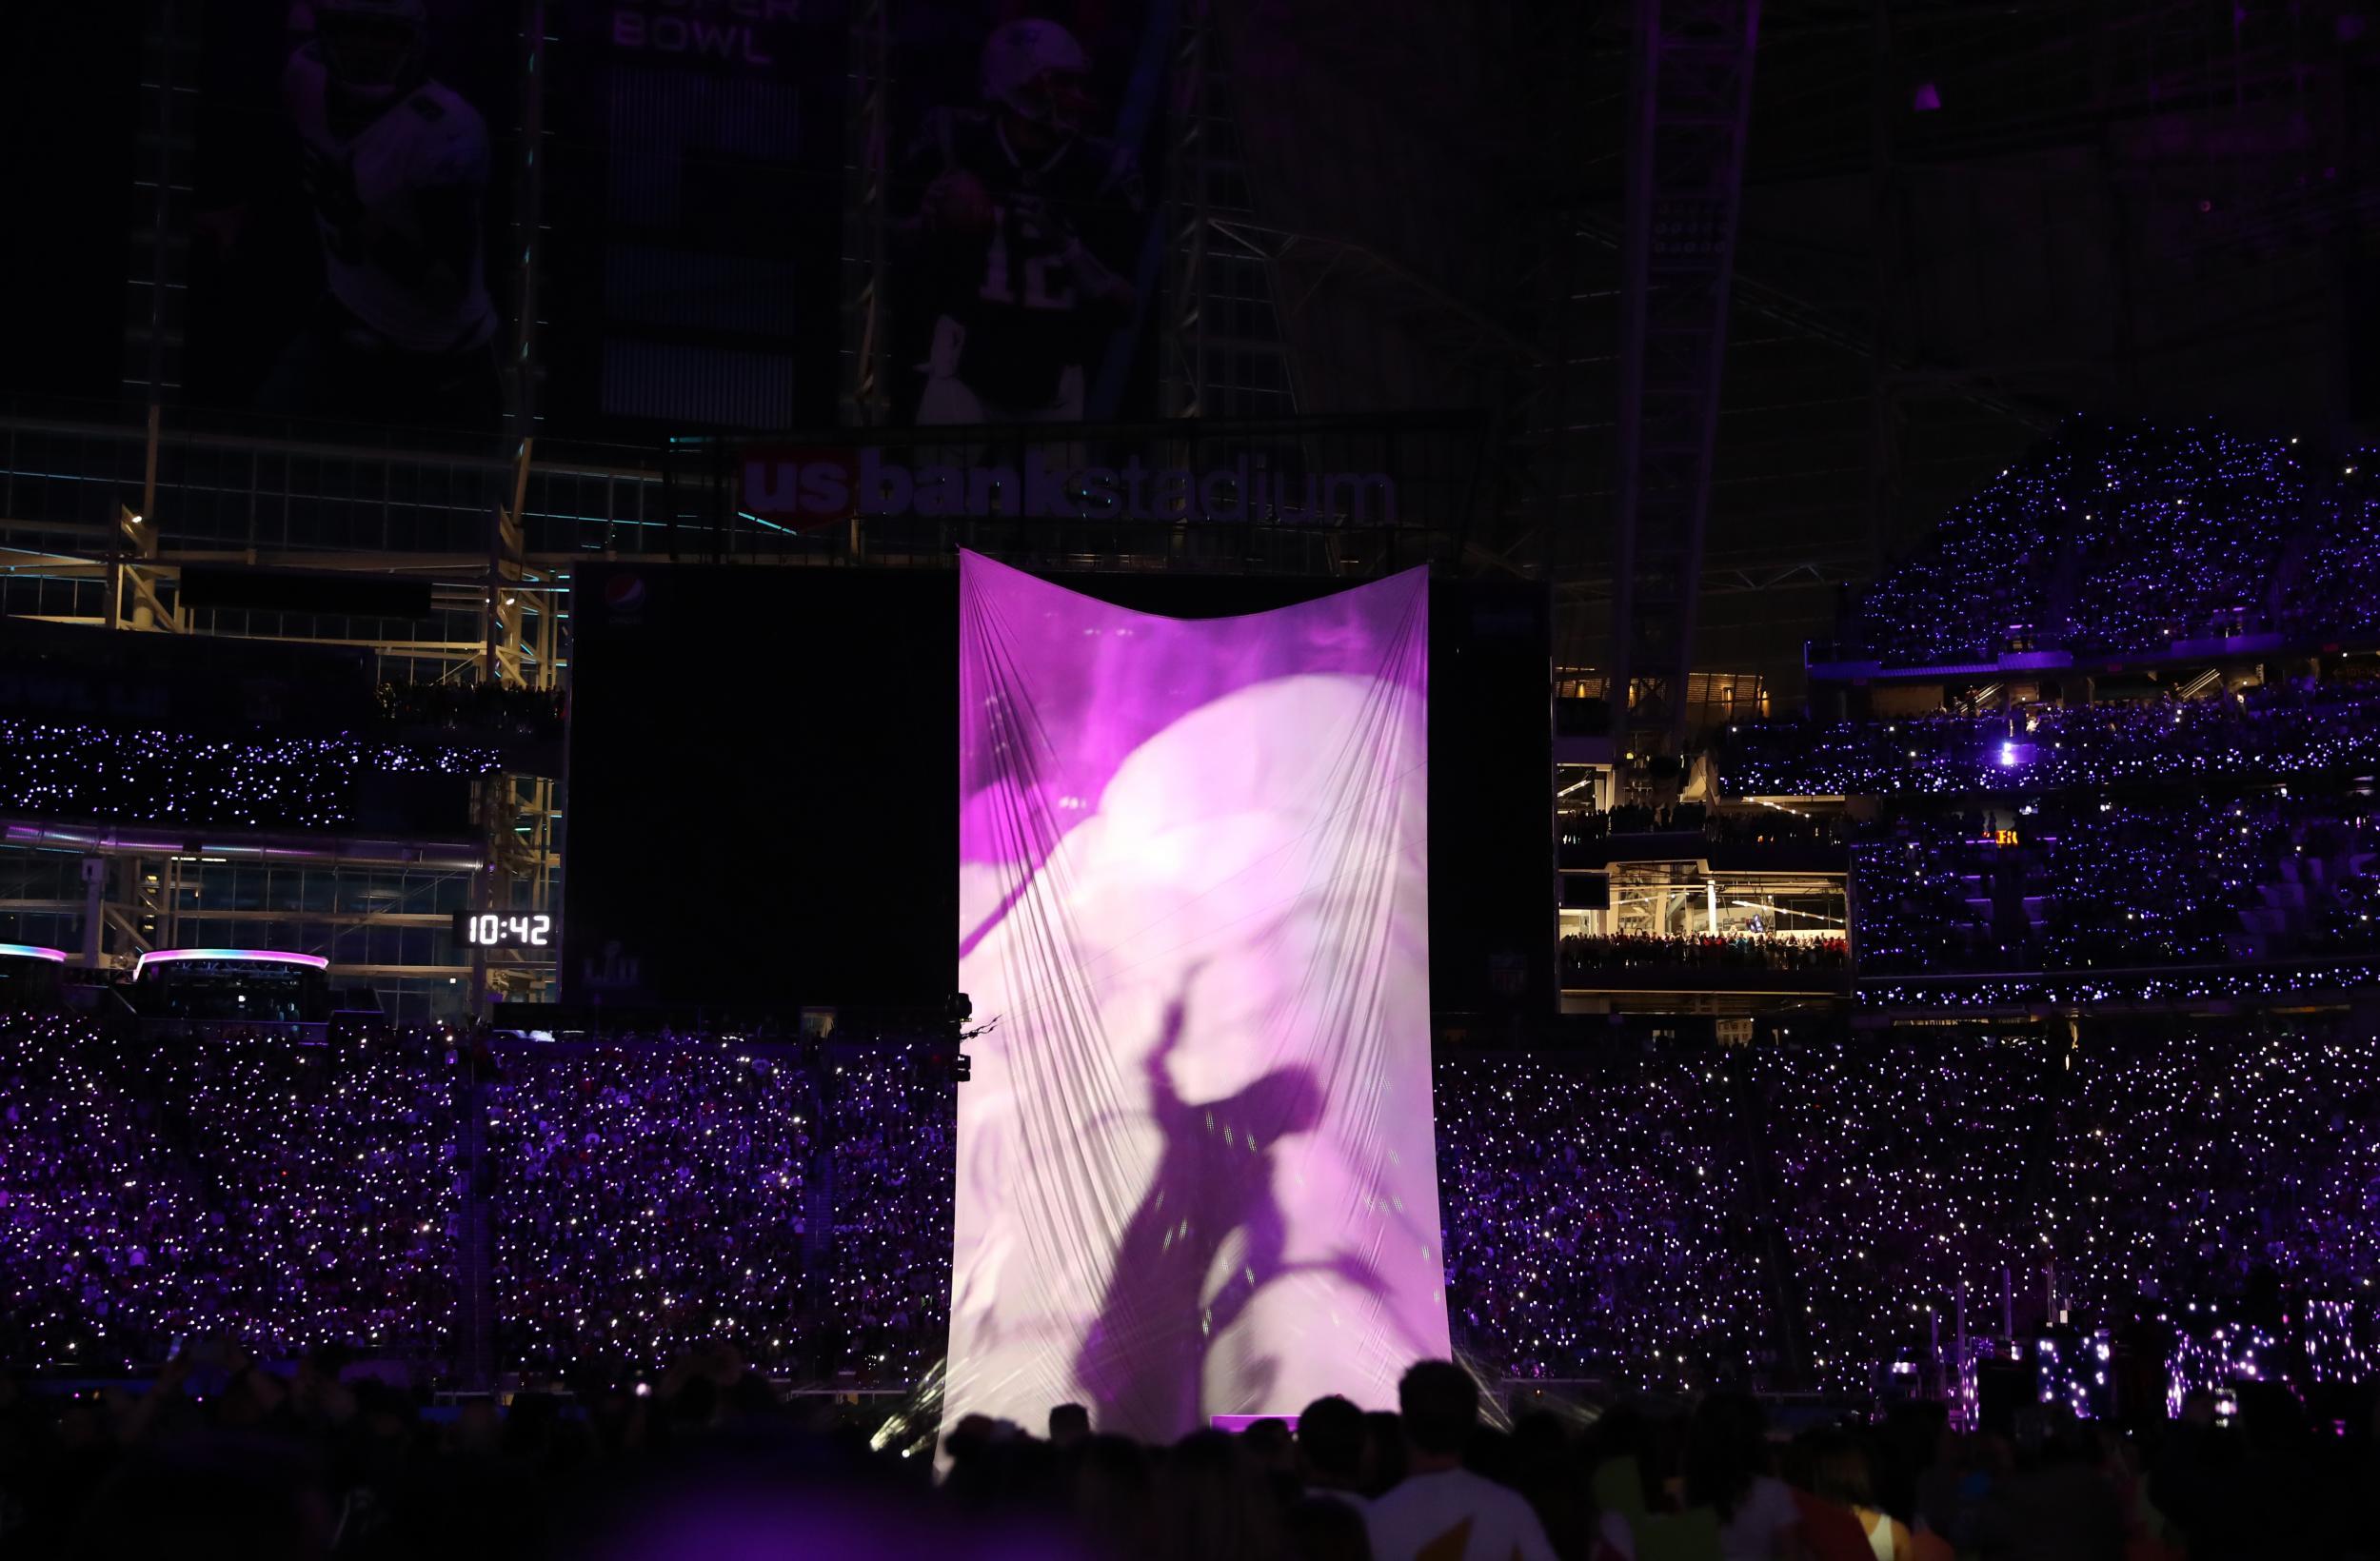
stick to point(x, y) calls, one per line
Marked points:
point(31, 951)
point(1196, 1174)
point(262, 956)
point(1238, 1423)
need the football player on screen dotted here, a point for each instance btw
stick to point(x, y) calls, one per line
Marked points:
point(395, 167)
point(1026, 234)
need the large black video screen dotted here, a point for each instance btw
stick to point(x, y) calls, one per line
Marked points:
point(762, 808)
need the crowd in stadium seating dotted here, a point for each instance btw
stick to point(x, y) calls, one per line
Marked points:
point(1983, 571)
point(1585, 955)
point(2303, 729)
point(99, 1226)
point(84, 772)
point(889, 1290)
point(1603, 1214)
point(1752, 826)
point(652, 1198)
point(1649, 1213)
point(1600, 1217)
point(2178, 534)
point(1679, 1216)
point(242, 1184)
point(88, 771)
point(332, 1184)
point(2334, 594)
point(227, 1186)
point(1913, 1167)
point(1635, 818)
point(2124, 541)
point(2067, 989)
point(1776, 827)
point(2101, 883)
point(478, 709)
point(2220, 1154)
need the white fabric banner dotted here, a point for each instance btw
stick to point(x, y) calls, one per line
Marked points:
point(1195, 1165)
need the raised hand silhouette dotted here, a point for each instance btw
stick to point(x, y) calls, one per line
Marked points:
point(1143, 1361)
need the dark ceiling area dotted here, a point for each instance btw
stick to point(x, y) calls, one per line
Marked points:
point(1960, 223)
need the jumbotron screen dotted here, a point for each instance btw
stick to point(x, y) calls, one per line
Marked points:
point(762, 804)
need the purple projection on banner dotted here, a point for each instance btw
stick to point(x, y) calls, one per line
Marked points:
point(1196, 1174)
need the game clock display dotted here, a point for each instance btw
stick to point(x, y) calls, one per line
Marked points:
point(494, 930)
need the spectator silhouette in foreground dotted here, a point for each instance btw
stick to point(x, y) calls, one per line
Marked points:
point(1331, 1435)
point(1068, 1424)
point(1442, 1511)
point(1727, 1469)
point(2059, 1505)
point(1213, 1501)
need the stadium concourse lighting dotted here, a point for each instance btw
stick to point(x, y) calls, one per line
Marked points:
point(270, 957)
point(31, 951)
point(1786, 910)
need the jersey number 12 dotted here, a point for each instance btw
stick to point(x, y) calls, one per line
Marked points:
point(1047, 283)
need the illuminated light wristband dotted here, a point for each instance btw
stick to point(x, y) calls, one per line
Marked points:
point(31, 951)
point(266, 957)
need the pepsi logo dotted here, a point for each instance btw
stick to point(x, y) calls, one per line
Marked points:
point(623, 593)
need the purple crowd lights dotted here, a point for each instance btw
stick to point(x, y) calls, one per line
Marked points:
point(2126, 541)
point(64, 770)
point(652, 1196)
point(2092, 884)
point(2307, 731)
point(1664, 1217)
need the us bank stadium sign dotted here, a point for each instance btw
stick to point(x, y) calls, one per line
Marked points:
point(802, 487)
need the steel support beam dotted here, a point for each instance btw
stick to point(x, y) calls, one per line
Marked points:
point(521, 369)
point(867, 347)
point(1885, 417)
point(1690, 107)
point(165, 147)
point(1214, 251)
point(1188, 218)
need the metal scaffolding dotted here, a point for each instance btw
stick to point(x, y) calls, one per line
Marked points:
point(1691, 114)
point(1221, 349)
point(866, 218)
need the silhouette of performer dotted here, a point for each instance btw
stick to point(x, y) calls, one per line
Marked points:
point(1143, 1360)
